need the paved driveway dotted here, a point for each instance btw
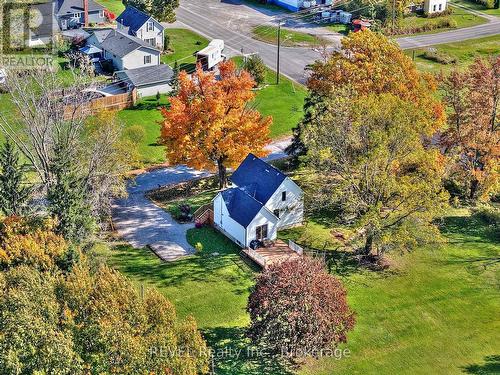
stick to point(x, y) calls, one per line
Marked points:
point(142, 223)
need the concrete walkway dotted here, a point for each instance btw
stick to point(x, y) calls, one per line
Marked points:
point(142, 223)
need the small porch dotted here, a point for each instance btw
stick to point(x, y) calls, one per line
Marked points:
point(275, 252)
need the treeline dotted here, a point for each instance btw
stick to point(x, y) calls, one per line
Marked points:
point(385, 154)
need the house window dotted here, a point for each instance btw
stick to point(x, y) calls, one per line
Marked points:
point(151, 41)
point(440, 5)
point(283, 196)
point(276, 213)
point(101, 14)
point(434, 8)
point(77, 15)
point(261, 232)
point(150, 26)
point(147, 59)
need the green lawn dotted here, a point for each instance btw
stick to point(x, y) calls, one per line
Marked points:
point(434, 312)
point(147, 115)
point(213, 288)
point(477, 7)
point(462, 17)
point(465, 51)
point(289, 38)
point(183, 44)
point(115, 6)
point(284, 102)
point(339, 28)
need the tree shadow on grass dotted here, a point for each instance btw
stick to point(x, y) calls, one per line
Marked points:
point(234, 354)
point(491, 366)
point(457, 228)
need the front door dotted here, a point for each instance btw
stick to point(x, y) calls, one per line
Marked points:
point(261, 232)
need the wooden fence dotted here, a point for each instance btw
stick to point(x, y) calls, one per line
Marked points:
point(114, 102)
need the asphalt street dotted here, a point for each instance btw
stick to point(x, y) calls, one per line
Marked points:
point(232, 21)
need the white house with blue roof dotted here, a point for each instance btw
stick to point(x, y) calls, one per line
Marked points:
point(261, 201)
point(141, 25)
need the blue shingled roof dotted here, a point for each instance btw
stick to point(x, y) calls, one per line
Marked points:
point(133, 18)
point(241, 206)
point(257, 178)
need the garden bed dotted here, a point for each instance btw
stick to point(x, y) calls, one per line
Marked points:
point(182, 200)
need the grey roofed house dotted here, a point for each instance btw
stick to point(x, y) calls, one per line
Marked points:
point(70, 7)
point(101, 34)
point(148, 80)
point(121, 44)
point(46, 22)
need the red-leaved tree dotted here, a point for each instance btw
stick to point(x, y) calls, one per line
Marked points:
point(298, 308)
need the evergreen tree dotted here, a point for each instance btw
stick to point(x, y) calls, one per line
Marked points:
point(175, 79)
point(67, 200)
point(13, 192)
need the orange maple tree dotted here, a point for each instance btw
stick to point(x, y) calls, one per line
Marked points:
point(210, 123)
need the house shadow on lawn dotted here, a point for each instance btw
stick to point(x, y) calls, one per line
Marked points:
point(234, 354)
point(491, 366)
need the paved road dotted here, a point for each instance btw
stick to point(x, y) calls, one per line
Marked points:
point(225, 20)
point(142, 223)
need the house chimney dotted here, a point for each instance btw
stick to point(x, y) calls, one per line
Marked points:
point(86, 13)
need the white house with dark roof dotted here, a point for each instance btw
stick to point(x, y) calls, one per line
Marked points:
point(261, 201)
point(128, 52)
point(141, 25)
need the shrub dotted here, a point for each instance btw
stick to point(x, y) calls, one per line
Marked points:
point(185, 212)
point(257, 69)
point(431, 24)
point(297, 307)
point(198, 247)
point(489, 4)
point(135, 133)
point(440, 57)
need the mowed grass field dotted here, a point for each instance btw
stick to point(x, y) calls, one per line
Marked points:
point(472, 5)
point(465, 52)
point(184, 44)
point(435, 311)
point(289, 38)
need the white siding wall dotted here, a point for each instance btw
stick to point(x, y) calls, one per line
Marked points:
point(226, 224)
point(153, 89)
point(156, 33)
point(263, 217)
point(135, 59)
point(434, 6)
point(292, 209)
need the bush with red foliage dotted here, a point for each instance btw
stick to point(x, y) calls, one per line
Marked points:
point(298, 309)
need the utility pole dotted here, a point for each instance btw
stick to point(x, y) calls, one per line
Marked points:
point(393, 14)
point(278, 61)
